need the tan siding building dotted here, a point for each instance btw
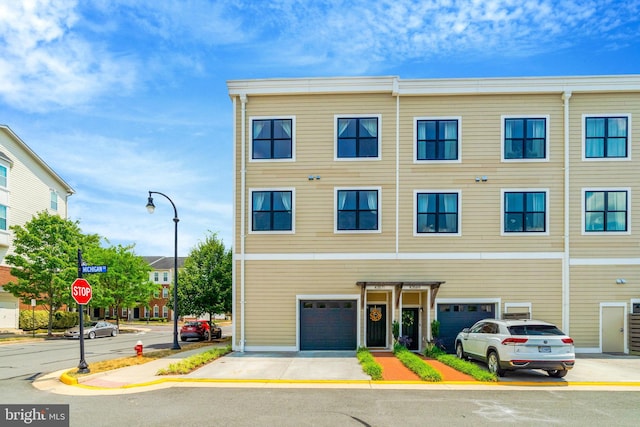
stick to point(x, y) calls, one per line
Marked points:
point(360, 202)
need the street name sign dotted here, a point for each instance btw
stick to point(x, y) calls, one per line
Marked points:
point(81, 291)
point(94, 269)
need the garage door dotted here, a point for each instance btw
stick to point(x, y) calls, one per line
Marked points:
point(455, 317)
point(328, 325)
point(8, 315)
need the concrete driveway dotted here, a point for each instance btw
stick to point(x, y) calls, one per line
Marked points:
point(598, 368)
point(303, 365)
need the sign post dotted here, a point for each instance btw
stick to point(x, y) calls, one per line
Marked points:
point(81, 293)
point(33, 317)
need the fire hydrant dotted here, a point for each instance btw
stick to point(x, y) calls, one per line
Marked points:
point(138, 348)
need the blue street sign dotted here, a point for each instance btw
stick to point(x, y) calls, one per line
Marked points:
point(94, 269)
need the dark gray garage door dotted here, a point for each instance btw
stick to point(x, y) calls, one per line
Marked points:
point(455, 317)
point(328, 325)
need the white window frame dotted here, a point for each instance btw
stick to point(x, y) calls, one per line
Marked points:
point(547, 212)
point(165, 276)
point(606, 159)
point(6, 168)
point(165, 312)
point(415, 213)
point(415, 139)
point(53, 196)
point(335, 137)
point(165, 292)
point(335, 210)
point(5, 230)
point(156, 311)
point(124, 312)
point(293, 138)
point(547, 119)
point(605, 233)
point(156, 276)
point(293, 211)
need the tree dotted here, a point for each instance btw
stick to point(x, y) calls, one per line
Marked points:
point(204, 284)
point(45, 260)
point(126, 283)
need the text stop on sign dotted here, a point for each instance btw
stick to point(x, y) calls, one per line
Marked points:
point(81, 291)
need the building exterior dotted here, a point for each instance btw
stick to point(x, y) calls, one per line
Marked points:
point(360, 202)
point(27, 186)
point(159, 306)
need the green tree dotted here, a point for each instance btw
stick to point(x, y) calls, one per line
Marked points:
point(126, 283)
point(45, 260)
point(204, 283)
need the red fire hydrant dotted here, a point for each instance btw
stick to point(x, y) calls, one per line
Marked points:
point(138, 348)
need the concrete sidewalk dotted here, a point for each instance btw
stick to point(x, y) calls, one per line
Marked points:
point(321, 369)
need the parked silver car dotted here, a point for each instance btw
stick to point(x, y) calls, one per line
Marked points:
point(99, 328)
point(507, 345)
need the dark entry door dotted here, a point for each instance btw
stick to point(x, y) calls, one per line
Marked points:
point(376, 325)
point(410, 327)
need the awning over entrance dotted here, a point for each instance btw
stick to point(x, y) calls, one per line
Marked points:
point(432, 286)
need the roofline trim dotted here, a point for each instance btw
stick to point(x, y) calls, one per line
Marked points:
point(459, 86)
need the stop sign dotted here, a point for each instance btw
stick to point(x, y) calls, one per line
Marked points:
point(81, 291)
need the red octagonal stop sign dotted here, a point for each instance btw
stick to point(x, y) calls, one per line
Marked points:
point(81, 291)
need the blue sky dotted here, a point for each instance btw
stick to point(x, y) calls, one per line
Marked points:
point(121, 97)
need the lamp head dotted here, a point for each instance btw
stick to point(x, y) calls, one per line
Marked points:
point(150, 206)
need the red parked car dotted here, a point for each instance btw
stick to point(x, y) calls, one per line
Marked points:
point(200, 330)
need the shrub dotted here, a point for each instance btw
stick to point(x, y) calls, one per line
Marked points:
point(416, 364)
point(193, 362)
point(467, 367)
point(369, 364)
point(66, 320)
point(34, 320)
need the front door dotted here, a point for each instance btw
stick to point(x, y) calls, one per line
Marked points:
point(410, 328)
point(613, 329)
point(376, 325)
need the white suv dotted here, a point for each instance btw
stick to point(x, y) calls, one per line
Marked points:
point(507, 345)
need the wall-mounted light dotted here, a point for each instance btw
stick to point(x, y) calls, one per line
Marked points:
point(621, 281)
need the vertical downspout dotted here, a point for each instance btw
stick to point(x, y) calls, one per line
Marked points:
point(234, 270)
point(397, 95)
point(397, 207)
point(566, 284)
point(243, 183)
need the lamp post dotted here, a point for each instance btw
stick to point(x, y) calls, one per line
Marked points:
point(151, 207)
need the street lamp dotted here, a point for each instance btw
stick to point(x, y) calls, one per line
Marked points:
point(151, 207)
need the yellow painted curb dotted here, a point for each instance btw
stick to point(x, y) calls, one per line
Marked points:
point(68, 379)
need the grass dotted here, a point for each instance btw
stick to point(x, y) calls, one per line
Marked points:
point(108, 365)
point(464, 366)
point(194, 362)
point(416, 364)
point(369, 364)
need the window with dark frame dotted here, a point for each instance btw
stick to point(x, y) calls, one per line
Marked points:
point(606, 137)
point(437, 212)
point(524, 212)
point(272, 139)
point(437, 139)
point(357, 137)
point(605, 211)
point(271, 211)
point(525, 138)
point(357, 210)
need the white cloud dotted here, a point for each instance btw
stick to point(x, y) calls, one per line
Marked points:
point(45, 65)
